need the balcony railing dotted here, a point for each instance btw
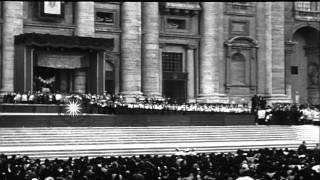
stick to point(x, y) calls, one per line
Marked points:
point(307, 15)
point(307, 11)
point(183, 5)
point(240, 8)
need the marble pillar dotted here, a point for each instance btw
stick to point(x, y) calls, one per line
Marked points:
point(268, 48)
point(150, 49)
point(12, 26)
point(190, 70)
point(79, 83)
point(278, 48)
point(210, 45)
point(130, 49)
point(85, 19)
point(261, 52)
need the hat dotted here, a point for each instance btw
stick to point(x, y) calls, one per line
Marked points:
point(49, 178)
point(316, 168)
point(244, 178)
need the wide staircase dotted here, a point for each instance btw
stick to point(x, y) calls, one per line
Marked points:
point(64, 142)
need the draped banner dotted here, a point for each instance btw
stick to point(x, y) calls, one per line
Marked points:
point(62, 61)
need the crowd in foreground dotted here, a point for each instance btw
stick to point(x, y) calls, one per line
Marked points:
point(262, 164)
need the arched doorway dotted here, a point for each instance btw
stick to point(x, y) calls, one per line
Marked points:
point(303, 66)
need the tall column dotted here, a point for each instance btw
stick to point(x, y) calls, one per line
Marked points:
point(278, 48)
point(85, 18)
point(268, 48)
point(261, 38)
point(210, 46)
point(288, 55)
point(12, 25)
point(150, 52)
point(190, 70)
point(131, 48)
point(79, 83)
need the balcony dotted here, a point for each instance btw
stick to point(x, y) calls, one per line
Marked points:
point(240, 8)
point(307, 11)
point(181, 8)
point(307, 15)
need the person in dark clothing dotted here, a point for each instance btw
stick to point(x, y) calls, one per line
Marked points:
point(302, 148)
point(255, 103)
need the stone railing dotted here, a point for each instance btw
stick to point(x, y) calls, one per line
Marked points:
point(307, 15)
point(240, 8)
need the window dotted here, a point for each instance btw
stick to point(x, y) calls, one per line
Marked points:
point(104, 17)
point(172, 61)
point(238, 67)
point(307, 11)
point(303, 6)
point(239, 27)
point(52, 9)
point(294, 70)
point(176, 23)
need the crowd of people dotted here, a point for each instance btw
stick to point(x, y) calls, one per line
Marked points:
point(116, 104)
point(262, 164)
point(288, 114)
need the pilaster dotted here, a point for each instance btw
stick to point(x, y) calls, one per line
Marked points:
point(12, 25)
point(85, 19)
point(130, 49)
point(210, 58)
point(150, 51)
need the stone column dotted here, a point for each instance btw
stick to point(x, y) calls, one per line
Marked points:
point(268, 48)
point(63, 80)
point(85, 18)
point(79, 83)
point(261, 53)
point(161, 46)
point(210, 46)
point(190, 70)
point(278, 48)
point(288, 55)
point(131, 48)
point(12, 25)
point(150, 56)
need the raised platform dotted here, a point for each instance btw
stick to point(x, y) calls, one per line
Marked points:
point(110, 120)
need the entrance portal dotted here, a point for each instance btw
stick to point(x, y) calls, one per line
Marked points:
point(304, 66)
point(175, 90)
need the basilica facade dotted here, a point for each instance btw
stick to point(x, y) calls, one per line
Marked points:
point(210, 52)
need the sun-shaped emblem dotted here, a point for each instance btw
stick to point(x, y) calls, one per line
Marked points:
point(73, 108)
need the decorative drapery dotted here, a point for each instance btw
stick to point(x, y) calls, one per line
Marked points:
point(61, 41)
point(62, 61)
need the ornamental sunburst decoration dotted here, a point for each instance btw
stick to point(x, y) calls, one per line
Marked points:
point(73, 108)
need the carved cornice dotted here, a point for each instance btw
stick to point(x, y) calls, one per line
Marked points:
point(192, 46)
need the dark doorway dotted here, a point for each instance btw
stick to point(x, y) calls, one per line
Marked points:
point(175, 90)
point(109, 83)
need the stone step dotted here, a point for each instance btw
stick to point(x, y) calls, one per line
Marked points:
point(63, 142)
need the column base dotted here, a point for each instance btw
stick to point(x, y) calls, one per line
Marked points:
point(192, 100)
point(212, 98)
point(278, 98)
point(130, 96)
point(155, 96)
